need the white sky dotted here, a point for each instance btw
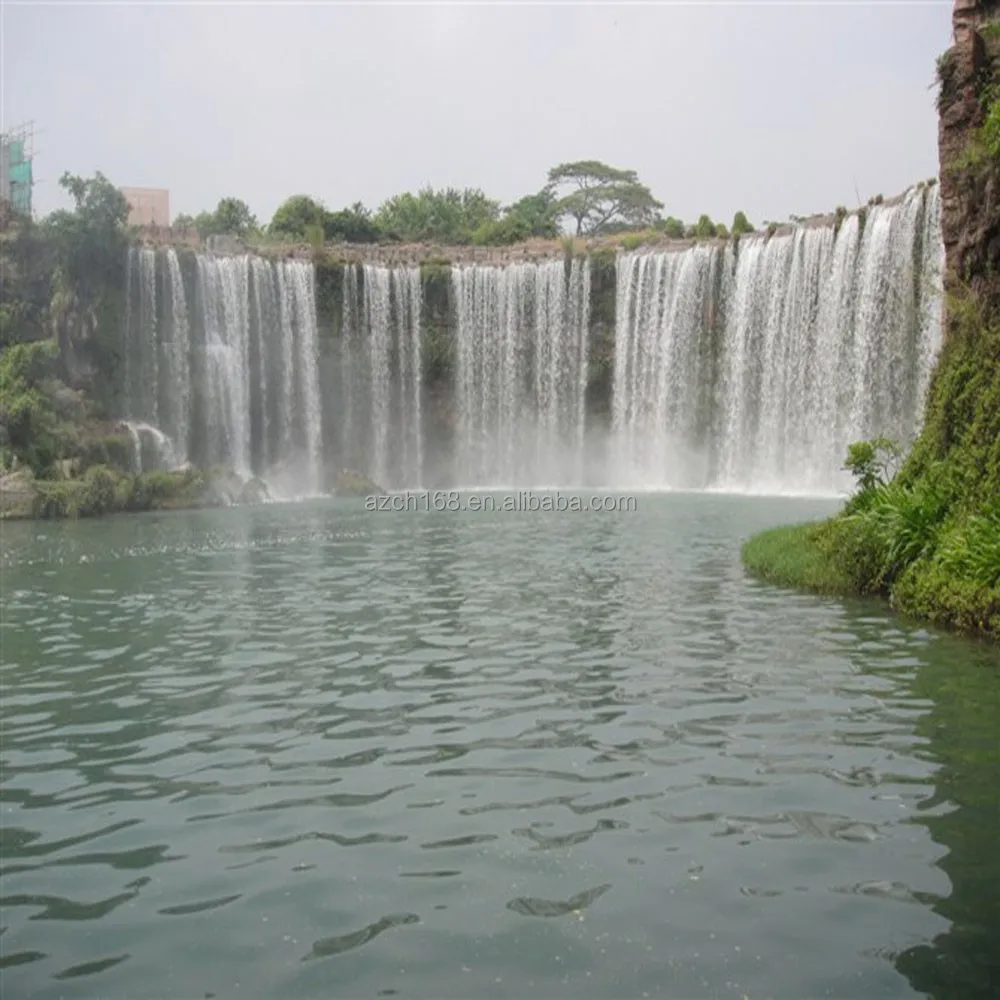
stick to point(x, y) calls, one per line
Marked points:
point(771, 109)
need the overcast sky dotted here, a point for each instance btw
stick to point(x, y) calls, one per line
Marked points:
point(771, 109)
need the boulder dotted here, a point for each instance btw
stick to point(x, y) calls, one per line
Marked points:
point(350, 483)
point(17, 494)
point(254, 491)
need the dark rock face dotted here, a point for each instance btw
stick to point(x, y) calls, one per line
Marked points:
point(970, 196)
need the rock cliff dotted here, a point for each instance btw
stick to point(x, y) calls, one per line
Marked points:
point(969, 74)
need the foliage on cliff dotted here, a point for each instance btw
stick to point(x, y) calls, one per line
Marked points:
point(62, 286)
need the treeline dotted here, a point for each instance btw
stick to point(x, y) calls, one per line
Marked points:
point(586, 197)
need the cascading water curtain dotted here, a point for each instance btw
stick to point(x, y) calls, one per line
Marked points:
point(522, 334)
point(751, 366)
point(230, 372)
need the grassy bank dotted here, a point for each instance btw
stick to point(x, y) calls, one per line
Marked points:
point(796, 556)
point(949, 585)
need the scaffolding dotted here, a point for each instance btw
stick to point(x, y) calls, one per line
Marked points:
point(16, 176)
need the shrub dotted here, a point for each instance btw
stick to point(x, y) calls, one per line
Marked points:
point(906, 522)
point(99, 494)
point(872, 463)
point(970, 548)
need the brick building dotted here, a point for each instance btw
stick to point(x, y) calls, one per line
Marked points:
point(148, 206)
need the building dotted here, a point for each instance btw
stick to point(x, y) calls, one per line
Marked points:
point(15, 169)
point(148, 206)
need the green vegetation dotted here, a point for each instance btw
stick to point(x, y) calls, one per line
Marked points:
point(741, 224)
point(447, 216)
point(104, 490)
point(63, 282)
point(594, 198)
point(534, 215)
point(673, 228)
point(703, 229)
point(232, 217)
point(601, 198)
point(796, 556)
point(31, 431)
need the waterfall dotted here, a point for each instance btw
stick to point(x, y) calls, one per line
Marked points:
point(382, 373)
point(151, 448)
point(752, 366)
point(745, 365)
point(522, 346)
point(225, 365)
point(142, 338)
point(223, 287)
point(179, 361)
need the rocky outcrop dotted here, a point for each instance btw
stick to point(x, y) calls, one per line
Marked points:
point(970, 186)
point(349, 483)
point(17, 494)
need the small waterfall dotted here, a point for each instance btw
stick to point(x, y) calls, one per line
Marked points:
point(151, 448)
point(752, 366)
point(522, 344)
point(234, 380)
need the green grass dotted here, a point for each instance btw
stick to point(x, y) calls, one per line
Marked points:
point(797, 556)
point(955, 582)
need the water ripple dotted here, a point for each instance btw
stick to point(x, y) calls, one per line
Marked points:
point(226, 733)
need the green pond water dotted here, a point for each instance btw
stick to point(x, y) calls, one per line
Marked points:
point(309, 750)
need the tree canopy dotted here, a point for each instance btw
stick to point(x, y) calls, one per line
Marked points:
point(295, 216)
point(446, 216)
point(232, 217)
point(599, 197)
point(741, 224)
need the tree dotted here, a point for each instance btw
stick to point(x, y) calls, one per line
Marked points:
point(448, 216)
point(295, 215)
point(741, 224)
point(183, 222)
point(601, 196)
point(673, 228)
point(538, 213)
point(704, 228)
point(351, 225)
point(534, 215)
point(29, 421)
point(234, 218)
point(88, 244)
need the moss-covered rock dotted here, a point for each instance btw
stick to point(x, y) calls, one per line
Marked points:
point(17, 494)
point(254, 491)
point(349, 482)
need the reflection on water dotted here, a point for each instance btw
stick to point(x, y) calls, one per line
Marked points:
point(307, 750)
point(962, 730)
